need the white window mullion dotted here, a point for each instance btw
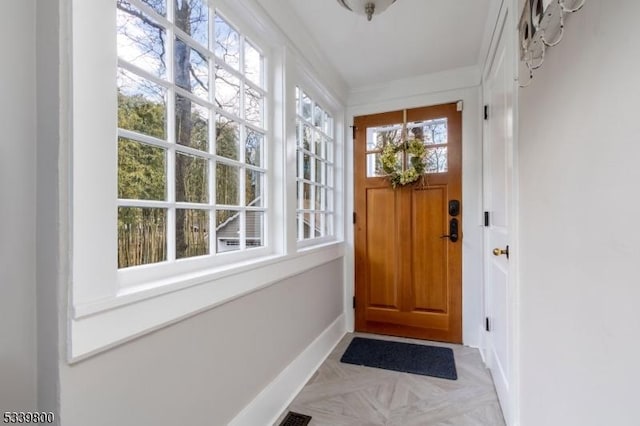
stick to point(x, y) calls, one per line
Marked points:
point(171, 138)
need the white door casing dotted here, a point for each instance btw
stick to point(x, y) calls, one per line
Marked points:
point(498, 162)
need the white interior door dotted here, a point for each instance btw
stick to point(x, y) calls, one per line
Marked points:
point(498, 186)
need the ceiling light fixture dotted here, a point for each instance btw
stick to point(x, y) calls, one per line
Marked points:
point(367, 7)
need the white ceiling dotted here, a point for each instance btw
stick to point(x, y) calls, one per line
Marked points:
point(412, 37)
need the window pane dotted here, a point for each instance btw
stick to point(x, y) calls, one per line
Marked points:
point(431, 132)
point(227, 230)
point(192, 179)
point(227, 138)
point(141, 171)
point(306, 196)
point(306, 137)
point(227, 43)
point(436, 160)
point(192, 233)
point(192, 17)
point(192, 124)
point(328, 180)
point(227, 92)
point(318, 116)
point(304, 226)
point(254, 229)
point(300, 195)
point(253, 147)
point(253, 107)
point(319, 171)
point(317, 228)
point(328, 125)
point(317, 149)
point(328, 150)
point(306, 107)
point(374, 168)
point(305, 173)
point(227, 185)
point(140, 39)
point(191, 70)
point(298, 100)
point(253, 68)
point(327, 225)
point(142, 105)
point(378, 137)
point(254, 185)
point(319, 198)
point(158, 5)
point(142, 236)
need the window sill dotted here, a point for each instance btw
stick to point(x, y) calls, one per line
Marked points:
point(136, 311)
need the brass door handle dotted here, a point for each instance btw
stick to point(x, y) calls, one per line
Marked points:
point(499, 252)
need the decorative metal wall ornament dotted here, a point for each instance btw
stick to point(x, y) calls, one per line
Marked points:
point(542, 26)
point(366, 7)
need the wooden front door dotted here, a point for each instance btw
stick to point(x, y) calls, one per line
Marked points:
point(408, 273)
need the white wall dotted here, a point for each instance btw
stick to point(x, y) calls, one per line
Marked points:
point(461, 84)
point(204, 370)
point(17, 208)
point(579, 144)
point(48, 216)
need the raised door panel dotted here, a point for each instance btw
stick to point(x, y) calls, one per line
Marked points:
point(382, 250)
point(430, 281)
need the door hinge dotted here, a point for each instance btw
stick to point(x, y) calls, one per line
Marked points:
point(486, 112)
point(354, 218)
point(459, 106)
point(486, 218)
point(486, 324)
point(353, 130)
point(354, 302)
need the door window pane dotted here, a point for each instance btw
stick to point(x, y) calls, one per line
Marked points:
point(436, 161)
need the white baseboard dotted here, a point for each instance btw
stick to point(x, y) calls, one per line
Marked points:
point(269, 404)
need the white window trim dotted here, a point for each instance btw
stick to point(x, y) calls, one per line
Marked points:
point(307, 83)
point(102, 313)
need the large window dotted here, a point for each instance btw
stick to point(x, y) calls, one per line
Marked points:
point(179, 167)
point(315, 147)
point(191, 134)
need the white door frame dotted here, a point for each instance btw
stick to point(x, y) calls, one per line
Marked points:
point(506, 27)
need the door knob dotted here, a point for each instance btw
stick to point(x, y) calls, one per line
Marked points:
point(499, 252)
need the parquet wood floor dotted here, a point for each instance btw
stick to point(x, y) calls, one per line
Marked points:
point(343, 394)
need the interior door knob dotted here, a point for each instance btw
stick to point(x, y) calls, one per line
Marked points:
point(499, 252)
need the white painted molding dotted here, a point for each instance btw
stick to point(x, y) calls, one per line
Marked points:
point(271, 402)
point(95, 333)
point(454, 79)
point(489, 29)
